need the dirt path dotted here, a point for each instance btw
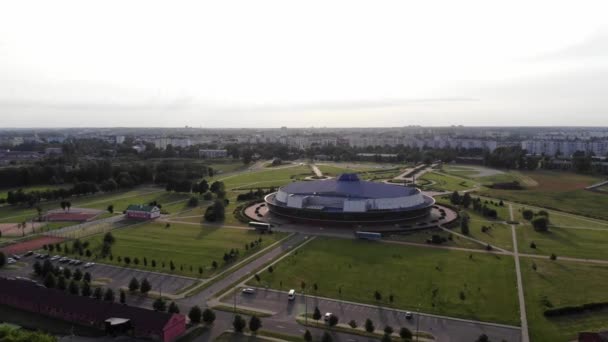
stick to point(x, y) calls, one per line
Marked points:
point(520, 287)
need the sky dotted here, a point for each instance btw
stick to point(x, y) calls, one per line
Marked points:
point(311, 63)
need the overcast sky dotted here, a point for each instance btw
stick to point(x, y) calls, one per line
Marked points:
point(303, 63)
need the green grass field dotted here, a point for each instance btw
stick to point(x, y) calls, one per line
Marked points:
point(563, 284)
point(422, 236)
point(265, 178)
point(187, 245)
point(578, 243)
point(430, 278)
point(558, 190)
point(442, 182)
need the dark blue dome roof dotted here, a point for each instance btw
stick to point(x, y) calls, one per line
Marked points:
point(349, 185)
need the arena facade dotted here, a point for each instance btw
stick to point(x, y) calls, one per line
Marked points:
point(348, 199)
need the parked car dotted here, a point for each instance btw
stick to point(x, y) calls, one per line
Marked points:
point(64, 260)
point(409, 315)
point(89, 264)
point(327, 316)
point(38, 256)
point(15, 256)
point(28, 253)
point(78, 262)
point(55, 257)
point(292, 294)
point(248, 290)
point(11, 261)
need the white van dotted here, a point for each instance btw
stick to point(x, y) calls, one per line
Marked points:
point(292, 294)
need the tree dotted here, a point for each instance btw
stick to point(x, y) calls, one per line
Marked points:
point(77, 275)
point(388, 330)
point(159, 305)
point(386, 338)
point(61, 282)
point(111, 209)
point(405, 333)
point(377, 295)
point(195, 314)
point(3, 259)
point(369, 326)
point(333, 320)
point(98, 293)
point(238, 324)
point(307, 336)
point(109, 238)
point(316, 314)
point(466, 200)
point(193, 201)
point(254, 324)
point(37, 266)
point(208, 316)
point(145, 286)
point(50, 281)
point(86, 289)
point(464, 225)
point(123, 297)
point(483, 338)
point(73, 287)
point(352, 323)
point(541, 223)
point(553, 256)
point(133, 285)
point(108, 296)
point(326, 337)
point(173, 308)
point(203, 187)
point(455, 198)
point(527, 214)
point(67, 273)
point(86, 277)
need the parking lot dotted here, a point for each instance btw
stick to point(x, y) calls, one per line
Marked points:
point(110, 276)
point(443, 328)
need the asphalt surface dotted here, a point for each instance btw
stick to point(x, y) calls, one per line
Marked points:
point(443, 328)
point(119, 276)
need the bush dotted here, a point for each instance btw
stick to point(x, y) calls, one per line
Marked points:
point(571, 310)
point(527, 214)
point(369, 326)
point(208, 316)
point(405, 333)
point(195, 314)
point(193, 201)
point(541, 223)
point(238, 324)
point(352, 323)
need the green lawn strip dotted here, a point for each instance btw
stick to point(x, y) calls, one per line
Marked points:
point(230, 336)
point(240, 310)
point(280, 336)
point(264, 178)
point(184, 244)
point(416, 276)
point(201, 286)
point(559, 284)
point(360, 331)
point(422, 236)
point(446, 182)
point(498, 234)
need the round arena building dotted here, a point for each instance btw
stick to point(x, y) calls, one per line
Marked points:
point(348, 199)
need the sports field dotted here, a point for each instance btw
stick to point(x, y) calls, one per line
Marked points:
point(557, 284)
point(186, 245)
point(440, 281)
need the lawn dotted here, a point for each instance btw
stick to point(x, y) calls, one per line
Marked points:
point(422, 236)
point(558, 190)
point(498, 234)
point(579, 243)
point(184, 244)
point(120, 200)
point(443, 182)
point(563, 284)
point(265, 178)
point(440, 281)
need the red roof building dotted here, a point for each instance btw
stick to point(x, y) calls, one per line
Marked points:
point(30, 296)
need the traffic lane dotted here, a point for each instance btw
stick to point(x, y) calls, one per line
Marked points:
point(203, 296)
point(117, 276)
point(444, 329)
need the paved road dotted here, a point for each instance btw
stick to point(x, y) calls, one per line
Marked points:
point(443, 328)
point(520, 287)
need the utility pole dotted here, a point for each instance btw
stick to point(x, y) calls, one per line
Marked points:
point(235, 291)
point(305, 307)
